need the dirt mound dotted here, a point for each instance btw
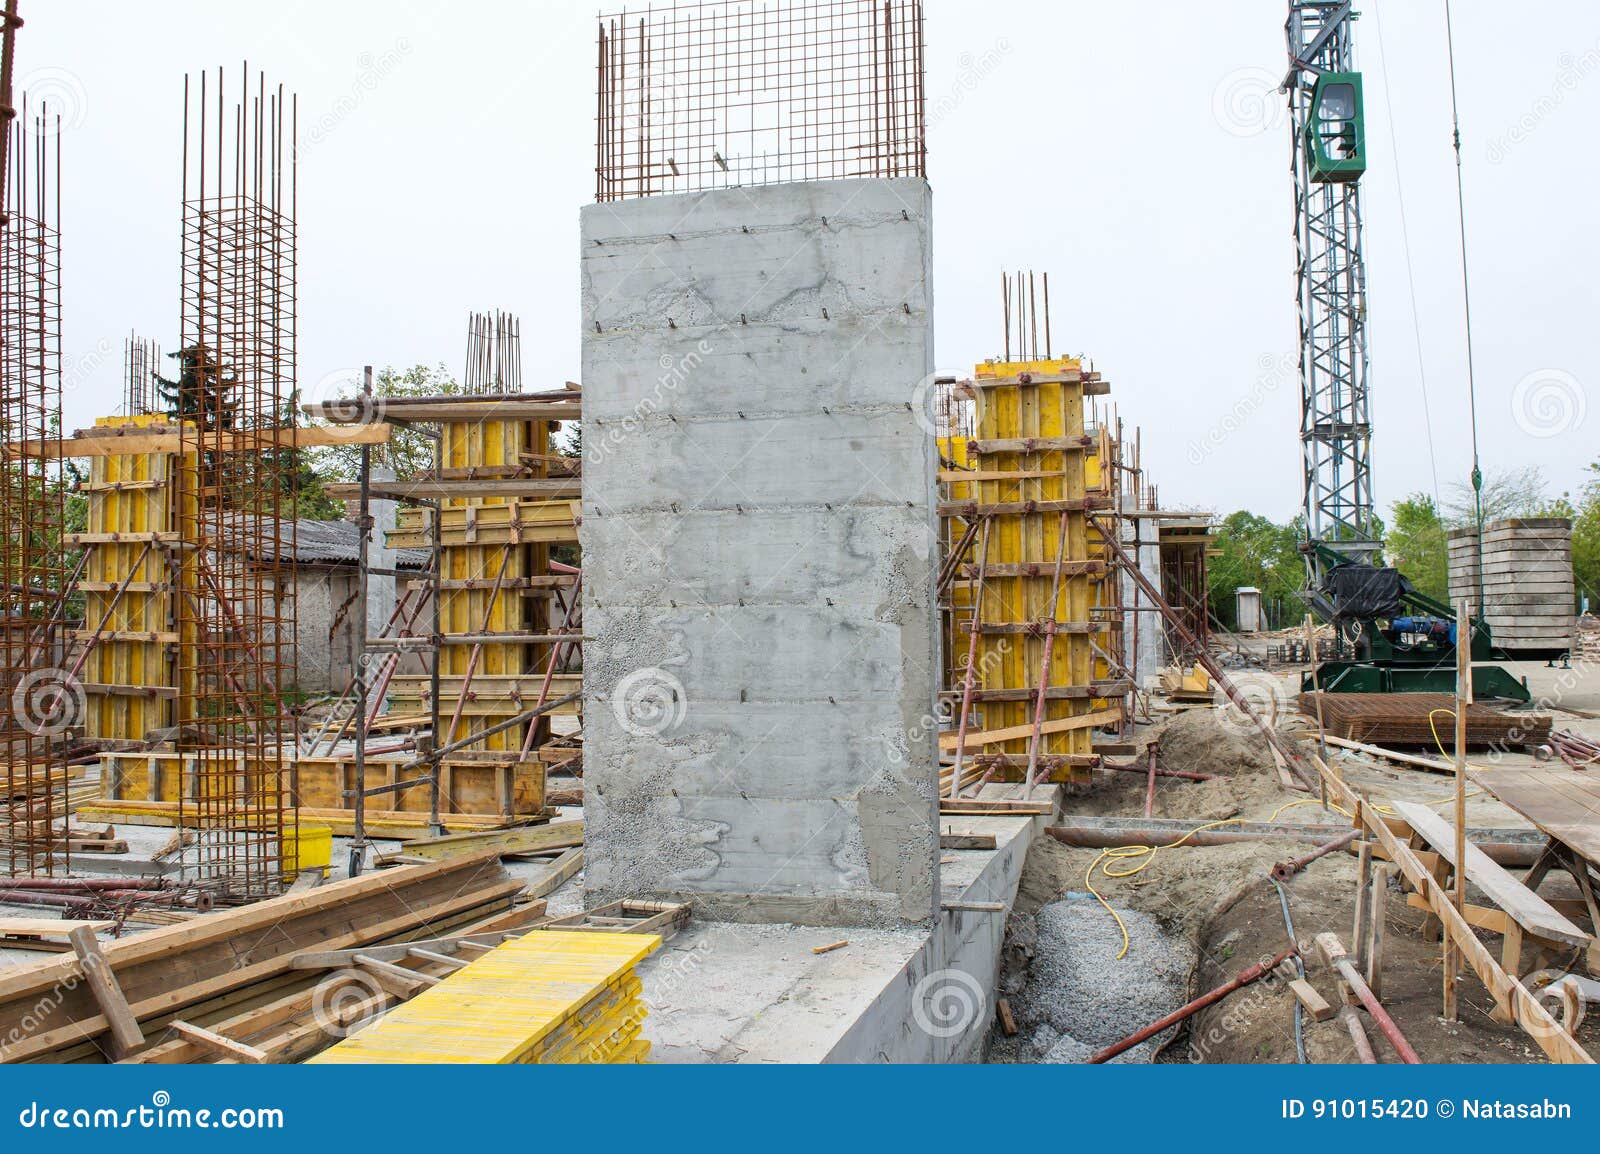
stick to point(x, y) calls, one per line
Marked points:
point(1216, 741)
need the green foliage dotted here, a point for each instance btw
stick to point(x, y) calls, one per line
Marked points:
point(1416, 546)
point(1260, 553)
point(1586, 536)
point(409, 453)
point(1506, 493)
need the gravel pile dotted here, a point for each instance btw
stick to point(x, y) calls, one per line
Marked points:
point(1079, 998)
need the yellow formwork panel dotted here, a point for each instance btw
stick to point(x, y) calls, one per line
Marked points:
point(1034, 401)
point(482, 538)
point(549, 996)
point(130, 683)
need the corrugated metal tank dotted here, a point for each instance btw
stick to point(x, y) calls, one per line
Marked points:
point(1527, 582)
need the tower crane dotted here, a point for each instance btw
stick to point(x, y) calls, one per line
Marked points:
point(1401, 640)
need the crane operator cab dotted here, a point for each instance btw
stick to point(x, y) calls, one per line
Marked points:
point(1336, 131)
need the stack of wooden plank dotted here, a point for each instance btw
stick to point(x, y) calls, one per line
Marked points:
point(215, 969)
point(556, 996)
point(1421, 719)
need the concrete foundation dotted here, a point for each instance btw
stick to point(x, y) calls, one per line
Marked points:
point(759, 553)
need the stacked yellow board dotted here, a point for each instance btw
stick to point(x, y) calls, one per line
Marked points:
point(553, 996)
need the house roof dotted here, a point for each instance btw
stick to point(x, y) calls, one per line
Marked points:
point(316, 543)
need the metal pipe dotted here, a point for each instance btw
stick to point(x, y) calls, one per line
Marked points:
point(1180, 774)
point(1358, 1035)
point(1112, 837)
point(1286, 870)
point(1244, 978)
point(1150, 789)
point(1353, 978)
point(969, 681)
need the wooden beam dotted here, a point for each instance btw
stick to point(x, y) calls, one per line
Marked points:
point(458, 411)
point(126, 1036)
point(101, 445)
point(533, 488)
point(218, 1044)
point(948, 741)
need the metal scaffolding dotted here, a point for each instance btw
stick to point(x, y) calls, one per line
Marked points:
point(709, 94)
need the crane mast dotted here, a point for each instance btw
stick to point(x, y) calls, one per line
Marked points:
point(1329, 150)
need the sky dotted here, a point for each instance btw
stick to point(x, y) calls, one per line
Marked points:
point(1138, 153)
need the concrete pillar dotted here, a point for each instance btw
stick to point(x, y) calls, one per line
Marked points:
point(760, 553)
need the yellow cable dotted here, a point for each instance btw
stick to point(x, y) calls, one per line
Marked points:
point(1148, 854)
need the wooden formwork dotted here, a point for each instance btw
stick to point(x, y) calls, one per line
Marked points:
point(131, 617)
point(156, 784)
point(496, 579)
point(1036, 695)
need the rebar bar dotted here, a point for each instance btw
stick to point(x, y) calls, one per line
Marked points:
point(233, 396)
point(705, 94)
point(41, 704)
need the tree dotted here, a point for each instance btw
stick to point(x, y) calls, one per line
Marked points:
point(1416, 546)
point(1506, 493)
point(1586, 537)
point(1256, 552)
point(409, 453)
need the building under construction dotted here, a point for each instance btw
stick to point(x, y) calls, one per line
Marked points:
point(803, 648)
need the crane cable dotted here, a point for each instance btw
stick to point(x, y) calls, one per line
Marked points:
point(1466, 297)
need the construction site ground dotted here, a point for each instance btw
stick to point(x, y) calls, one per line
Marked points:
point(1217, 907)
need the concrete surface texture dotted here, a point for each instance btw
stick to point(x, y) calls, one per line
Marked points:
point(760, 553)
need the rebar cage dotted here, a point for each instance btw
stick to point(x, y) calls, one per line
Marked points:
point(42, 702)
point(233, 397)
point(724, 93)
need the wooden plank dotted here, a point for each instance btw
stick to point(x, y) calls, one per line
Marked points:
point(218, 1043)
point(124, 1026)
point(967, 841)
point(528, 839)
point(1314, 1003)
point(140, 443)
point(1563, 803)
point(1529, 910)
point(948, 741)
point(46, 927)
point(175, 966)
point(561, 871)
point(460, 488)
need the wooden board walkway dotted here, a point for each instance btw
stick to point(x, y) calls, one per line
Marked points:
point(553, 996)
